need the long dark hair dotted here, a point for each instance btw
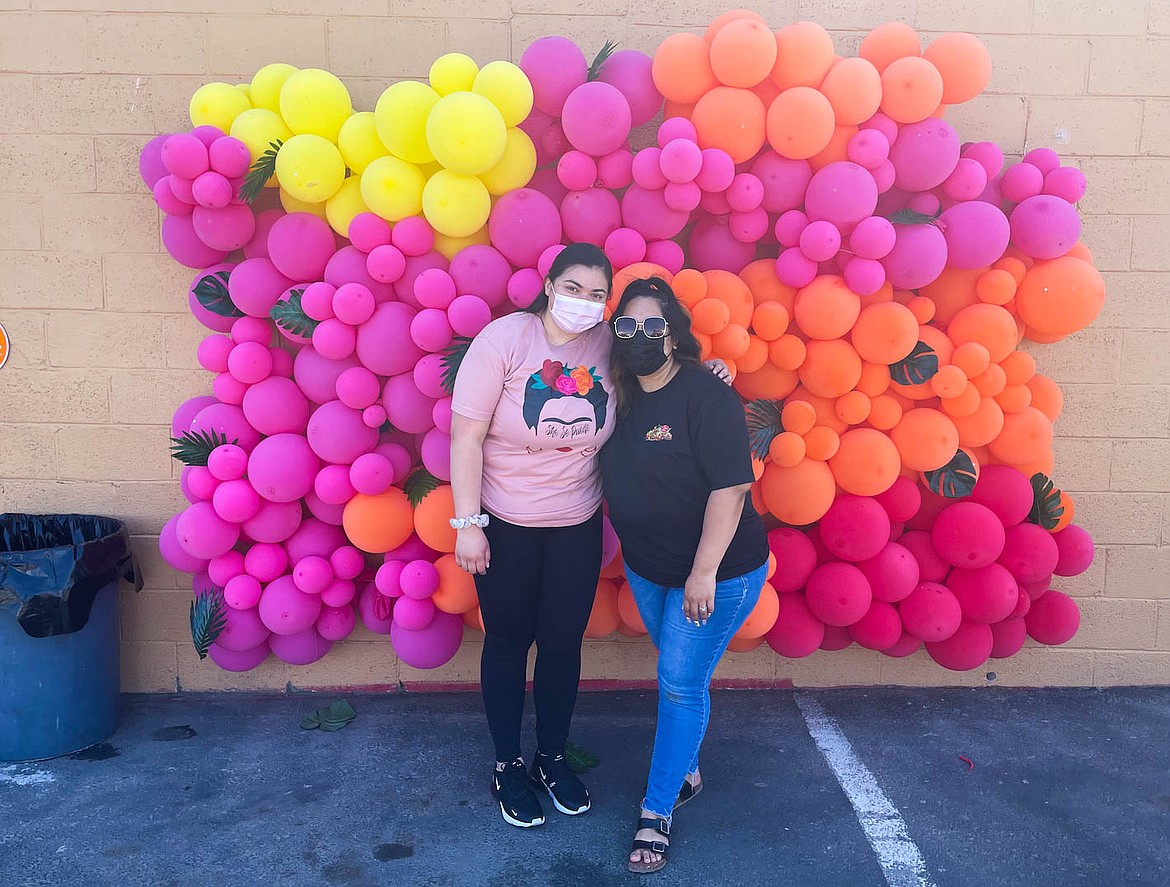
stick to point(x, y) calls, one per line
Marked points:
point(688, 350)
point(584, 254)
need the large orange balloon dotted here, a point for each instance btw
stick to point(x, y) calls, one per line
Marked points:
point(755, 357)
point(804, 55)
point(887, 43)
point(742, 53)
point(827, 309)
point(787, 352)
point(1046, 396)
point(730, 16)
point(1060, 297)
point(981, 427)
point(732, 342)
point(990, 325)
point(770, 321)
point(885, 333)
point(926, 439)
point(604, 618)
point(378, 524)
point(831, 368)
point(710, 316)
point(854, 89)
point(911, 90)
point(637, 271)
point(972, 358)
point(866, 463)
point(733, 292)
point(763, 615)
point(964, 64)
point(456, 592)
point(821, 443)
point(952, 291)
point(769, 381)
point(682, 68)
point(798, 495)
point(690, 286)
point(800, 123)
point(628, 610)
point(760, 276)
point(1026, 436)
point(731, 119)
point(432, 519)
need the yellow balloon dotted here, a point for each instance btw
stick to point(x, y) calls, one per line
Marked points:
point(453, 72)
point(314, 102)
point(456, 205)
point(359, 142)
point(267, 83)
point(258, 129)
point(515, 168)
point(401, 115)
point(466, 133)
point(310, 168)
point(217, 104)
point(344, 205)
point(292, 205)
point(506, 87)
point(393, 188)
point(450, 246)
point(246, 89)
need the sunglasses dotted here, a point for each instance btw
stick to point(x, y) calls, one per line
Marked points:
point(627, 327)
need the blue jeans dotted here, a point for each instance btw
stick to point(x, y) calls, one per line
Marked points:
point(687, 656)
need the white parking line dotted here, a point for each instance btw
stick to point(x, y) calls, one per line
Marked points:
point(18, 775)
point(898, 855)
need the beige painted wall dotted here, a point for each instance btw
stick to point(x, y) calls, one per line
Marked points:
point(104, 348)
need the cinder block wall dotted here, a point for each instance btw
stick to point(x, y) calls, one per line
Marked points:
point(104, 348)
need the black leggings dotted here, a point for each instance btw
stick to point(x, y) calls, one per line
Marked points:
point(540, 587)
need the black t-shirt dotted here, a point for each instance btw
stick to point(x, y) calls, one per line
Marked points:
point(667, 454)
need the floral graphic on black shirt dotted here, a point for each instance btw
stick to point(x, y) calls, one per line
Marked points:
point(659, 432)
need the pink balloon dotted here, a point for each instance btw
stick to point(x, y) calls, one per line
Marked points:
point(838, 594)
point(376, 614)
point(616, 169)
point(334, 339)
point(524, 286)
point(430, 330)
point(545, 262)
point(1044, 159)
point(931, 612)
point(968, 535)
point(414, 614)
point(647, 213)
point(879, 629)
point(242, 592)
point(213, 191)
point(873, 238)
point(386, 263)
point(357, 388)
point(625, 246)
point(408, 408)
point(683, 197)
point(314, 537)
point(987, 594)
point(150, 163)
point(796, 559)
point(418, 579)
point(282, 467)
point(428, 376)
point(797, 632)
point(790, 226)
point(1045, 226)
point(302, 648)
point(371, 474)
point(749, 227)
point(187, 411)
point(968, 180)
point(228, 389)
point(676, 128)
point(348, 266)
point(968, 648)
point(185, 246)
point(441, 414)
point(337, 434)
point(436, 454)
point(883, 176)
point(481, 270)
point(353, 303)
point(713, 247)
point(630, 71)
point(244, 630)
point(717, 170)
point(1075, 551)
point(918, 257)
point(746, 192)
point(368, 231)
point(666, 253)
point(555, 66)
point(681, 160)
point(257, 247)
point(168, 201)
point(646, 169)
point(175, 554)
point(347, 562)
point(227, 462)
point(274, 522)
point(986, 154)
point(276, 405)
point(183, 154)
point(250, 362)
point(793, 268)
point(207, 134)
point(868, 148)
point(596, 118)
point(384, 344)
point(1021, 182)
point(1029, 552)
point(300, 245)
point(523, 224)
point(332, 485)
point(312, 574)
point(864, 276)
point(229, 157)
point(317, 376)
point(842, 193)
point(434, 288)
point(388, 579)
point(1067, 183)
point(924, 154)
point(892, 573)
point(413, 236)
point(225, 228)
point(820, 241)
point(1008, 637)
point(590, 216)
point(374, 416)
point(181, 191)
point(336, 623)
point(577, 171)
point(212, 353)
point(931, 565)
point(785, 181)
point(429, 647)
point(883, 124)
point(976, 233)
point(252, 329)
point(235, 501)
point(202, 533)
point(228, 421)
point(282, 362)
point(468, 315)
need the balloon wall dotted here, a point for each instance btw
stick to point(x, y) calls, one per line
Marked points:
point(867, 275)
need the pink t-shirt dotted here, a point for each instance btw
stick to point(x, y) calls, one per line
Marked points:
point(551, 410)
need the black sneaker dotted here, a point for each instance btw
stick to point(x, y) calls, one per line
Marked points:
point(556, 777)
point(518, 802)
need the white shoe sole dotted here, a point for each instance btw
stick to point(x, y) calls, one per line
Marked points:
point(565, 810)
point(516, 822)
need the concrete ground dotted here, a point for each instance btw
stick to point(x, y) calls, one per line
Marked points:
point(848, 787)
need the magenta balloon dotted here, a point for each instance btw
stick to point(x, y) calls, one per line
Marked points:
point(229, 565)
point(968, 535)
point(616, 169)
point(1067, 183)
point(244, 631)
point(300, 246)
point(892, 573)
point(1045, 227)
point(386, 263)
point(348, 266)
point(596, 118)
point(545, 262)
point(986, 594)
point(855, 528)
point(368, 231)
point(312, 574)
point(1075, 549)
point(646, 169)
point(371, 474)
point(416, 266)
point(204, 534)
point(418, 579)
point(790, 226)
point(225, 228)
point(388, 579)
point(434, 288)
point(680, 160)
point(873, 238)
point(918, 257)
point(323, 511)
point(337, 433)
point(414, 236)
point(229, 157)
point(274, 522)
point(712, 247)
point(187, 411)
point(150, 163)
point(353, 303)
point(988, 155)
point(175, 554)
point(864, 276)
point(347, 562)
point(200, 482)
point(967, 182)
point(524, 286)
point(436, 454)
point(746, 192)
point(590, 216)
point(630, 71)
point(717, 170)
point(647, 213)
point(252, 329)
point(384, 344)
point(207, 134)
point(228, 389)
point(523, 224)
point(576, 170)
point(227, 462)
point(228, 420)
point(213, 191)
point(408, 408)
point(282, 467)
point(868, 148)
point(676, 128)
point(441, 414)
point(167, 200)
point(257, 247)
point(184, 154)
point(926, 203)
point(976, 233)
point(181, 191)
point(244, 660)
point(555, 66)
point(265, 561)
point(332, 485)
point(820, 241)
point(842, 193)
point(235, 501)
point(468, 315)
point(242, 592)
point(413, 613)
point(785, 181)
point(883, 176)
point(358, 388)
point(431, 647)
point(1021, 182)
point(303, 648)
point(683, 198)
point(1044, 159)
point(793, 268)
point(334, 339)
point(666, 253)
point(314, 538)
point(336, 623)
point(625, 246)
point(317, 376)
point(428, 376)
point(430, 330)
point(367, 605)
point(182, 242)
point(481, 270)
point(883, 124)
point(924, 154)
point(249, 363)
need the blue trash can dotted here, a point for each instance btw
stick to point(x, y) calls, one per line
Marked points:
point(59, 637)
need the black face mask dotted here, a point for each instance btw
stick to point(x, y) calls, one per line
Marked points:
point(641, 356)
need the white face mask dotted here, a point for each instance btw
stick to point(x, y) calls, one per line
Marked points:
point(576, 315)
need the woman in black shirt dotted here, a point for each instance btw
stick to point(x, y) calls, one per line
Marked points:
point(676, 474)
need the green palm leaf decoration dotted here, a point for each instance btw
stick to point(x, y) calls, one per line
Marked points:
point(290, 316)
point(420, 484)
point(956, 479)
point(211, 291)
point(763, 422)
point(913, 217)
point(579, 760)
point(260, 172)
point(208, 619)
point(916, 367)
point(601, 58)
point(452, 360)
point(194, 447)
point(1047, 509)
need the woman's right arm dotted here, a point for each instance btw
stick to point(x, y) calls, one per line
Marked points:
point(472, 552)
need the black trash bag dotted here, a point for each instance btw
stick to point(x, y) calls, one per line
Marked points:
point(53, 565)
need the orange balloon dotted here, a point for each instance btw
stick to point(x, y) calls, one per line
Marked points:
point(884, 412)
point(831, 368)
point(943, 349)
point(952, 291)
point(705, 350)
point(1069, 512)
point(726, 18)
point(821, 443)
point(630, 273)
point(1060, 297)
point(682, 68)
point(732, 342)
point(377, 524)
point(787, 449)
point(788, 352)
point(996, 287)
point(1046, 396)
point(887, 43)
point(604, 618)
point(982, 426)
point(763, 615)
point(990, 325)
point(884, 294)
point(798, 495)
point(911, 89)
point(731, 119)
point(963, 404)
point(800, 123)
point(615, 569)
point(923, 308)
point(758, 498)
point(732, 368)
point(757, 468)
point(769, 381)
point(1018, 367)
point(827, 308)
point(755, 357)
point(949, 382)
point(804, 55)
point(824, 407)
point(853, 407)
point(473, 618)
point(733, 292)
point(875, 379)
point(1014, 398)
point(854, 89)
point(885, 332)
point(991, 381)
point(926, 439)
point(628, 610)
point(837, 149)
point(770, 321)
point(798, 416)
point(1014, 267)
point(767, 91)
point(710, 316)
point(867, 462)
point(964, 64)
point(760, 276)
point(972, 358)
point(677, 109)
point(456, 592)
point(690, 286)
point(1026, 435)
point(1080, 251)
point(744, 645)
point(432, 519)
point(743, 52)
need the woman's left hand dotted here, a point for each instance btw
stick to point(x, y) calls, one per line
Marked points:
point(699, 598)
point(720, 369)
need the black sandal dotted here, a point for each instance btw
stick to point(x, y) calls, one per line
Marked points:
point(662, 827)
point(687, 793)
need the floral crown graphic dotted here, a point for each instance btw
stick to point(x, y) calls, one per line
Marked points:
point(555, 380)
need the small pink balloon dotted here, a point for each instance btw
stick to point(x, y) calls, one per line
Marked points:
point(646, 169)
point(868, 148)
point(1021, 182)
point(374, 416)
point(873, 238)
point(224, 228)
point(282, 467)
point(255, 286)
point(207, 134)
point(185, 246)
point(648, 213)
point(201, 482)
point(793, 268)
point(545, 262)
point(1044, 159)
point(408, 408)
point(164, 195)
point(596, 118)
point(242, 592)
point(577, 171)
point(334, 339)
point(274, 522)
point(976, 233)
point(183, 154)
point(236, 501)
point(244, 660)
point(222, 569)
point(228, 389)
point(181, 191)
point(1067, 183)
point(229, 421)
point(986, 154)
point(353, 303)
point(368, 231)
point(213, 191)
point(820, 241)
point(434, 288)
point(884, 175)
point(337, 434)
point(227, 462)
point(428, 376)
point(864, 276)
point(683, 197)
point(371, 474)
point(229, 157)
point(590, 216)
point(666, 253)
point(717, 170)
point(312, 574)
point(745, 193)
point(244, 630)
point(358, 388)
point(203, 534)
point(336, 623)
point(174, 554)
point(347, 562)
point(255, 330)
point(676, 128)
point(276, 405)
point(681, 160)
point(150, 162)
point(339, 593)
point(918, 257)
point(790, 226)
point(468, 315)
point(524, 286)
point(749, 227)
point(414, 614)
point(712, 247)
point(213, 352)
point(388, 578)
point(332, 485)
point(430, 330)
point(481, 270)
point(968, 180)
point(250, 362)
point(413, 236)
point(616, 169)
point(435, 451)
point(625, 246)
point(348, 265)
point(265, 561)
point(419, 579)
point(386, 263)
point(1075, 551)
point(375, 610)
